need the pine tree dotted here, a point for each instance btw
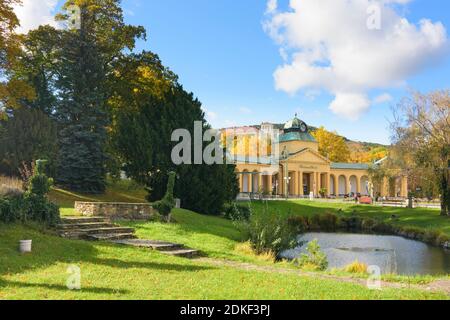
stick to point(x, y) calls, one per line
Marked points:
point(85, 64)
point(27, 136)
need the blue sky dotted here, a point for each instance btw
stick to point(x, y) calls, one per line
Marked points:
point(222, 53)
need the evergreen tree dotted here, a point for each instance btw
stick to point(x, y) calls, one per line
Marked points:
point(148, 106)
point(28, 135)
point(85, 64)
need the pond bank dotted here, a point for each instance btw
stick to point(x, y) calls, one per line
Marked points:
point(390, 254)
point(439, 285)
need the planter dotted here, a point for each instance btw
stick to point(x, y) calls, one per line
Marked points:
point(25, 246)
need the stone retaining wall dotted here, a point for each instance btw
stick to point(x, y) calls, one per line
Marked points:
point(115, 211)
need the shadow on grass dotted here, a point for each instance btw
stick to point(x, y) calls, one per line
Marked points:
point(49, 250)
point(115, 263)
point(56, 287)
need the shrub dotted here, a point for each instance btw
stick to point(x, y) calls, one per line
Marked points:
point(324, 222)
point(11, 209)
point(269, 233)
point(356, 267)
point(351, 223)
point(36, 205)
point(432, 237)
point(237, 212)
point(247, 249)
point(368, 224)
point(299, 223)
point(33, 205)
point(314, 259)
point(166, 205)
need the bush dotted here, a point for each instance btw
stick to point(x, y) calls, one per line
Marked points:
point(369, 224)
point(11, 209)
point(315, 259)
point(269, 233)
point(328, 222)
point(356, 267)
point(351, 223)
point(299, 223)
point(237, 212)
point(33, 205)
point(166, 205)
point(247, 249)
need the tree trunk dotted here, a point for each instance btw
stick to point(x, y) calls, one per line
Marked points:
point(445, 194)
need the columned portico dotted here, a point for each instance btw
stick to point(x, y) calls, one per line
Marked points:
point(301, 170)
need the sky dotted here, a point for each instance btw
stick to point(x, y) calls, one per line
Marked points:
point(336, 63)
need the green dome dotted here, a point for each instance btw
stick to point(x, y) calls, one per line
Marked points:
point(296, 130)
point(293, 124)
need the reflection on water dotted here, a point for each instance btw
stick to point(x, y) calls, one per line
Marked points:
point(392, 254)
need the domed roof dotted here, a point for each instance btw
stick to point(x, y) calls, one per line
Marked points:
point(293, 124)
point(296, 130)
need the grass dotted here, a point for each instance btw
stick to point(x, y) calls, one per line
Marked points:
point(114, 272)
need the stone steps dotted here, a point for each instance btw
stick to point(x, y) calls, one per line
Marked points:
point(168, 248)
point(90, 225)
point(110, 237)
point(185, 253)
point(101, 229)
point(75, 220)
point(93, 228)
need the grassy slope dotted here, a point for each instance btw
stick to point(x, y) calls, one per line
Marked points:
point(114, 272)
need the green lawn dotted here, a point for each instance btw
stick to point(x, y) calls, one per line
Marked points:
point(116, 272)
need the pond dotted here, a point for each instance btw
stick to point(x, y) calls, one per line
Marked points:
point(392, 254)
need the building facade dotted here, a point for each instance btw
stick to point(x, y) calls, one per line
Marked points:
point(289, 165)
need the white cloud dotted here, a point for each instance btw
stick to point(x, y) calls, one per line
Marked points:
point(271, 6)
point(33, 13)
point(331, 48)
point(383, 98)
point(350, 105)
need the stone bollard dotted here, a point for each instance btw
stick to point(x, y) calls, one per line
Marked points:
point(178, 203)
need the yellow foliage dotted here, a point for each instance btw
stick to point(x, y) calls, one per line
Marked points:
point(356, 267)
point(331, 145)
point(246, 249)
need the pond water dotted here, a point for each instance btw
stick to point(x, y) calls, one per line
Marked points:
point(392, 254)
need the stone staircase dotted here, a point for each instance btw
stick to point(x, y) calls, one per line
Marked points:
point(173, 249)
point(101, 229)
point(94, 229)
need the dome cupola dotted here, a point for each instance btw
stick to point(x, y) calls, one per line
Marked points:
point(295, 125)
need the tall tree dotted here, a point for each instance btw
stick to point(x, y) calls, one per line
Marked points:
point(12, 89)
point(331, 145)
point(29, 135)
point(422, 136)
point(148, 106)
point(87, 56)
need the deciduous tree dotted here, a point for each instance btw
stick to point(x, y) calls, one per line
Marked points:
point(331, 145)
point(422, 136)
